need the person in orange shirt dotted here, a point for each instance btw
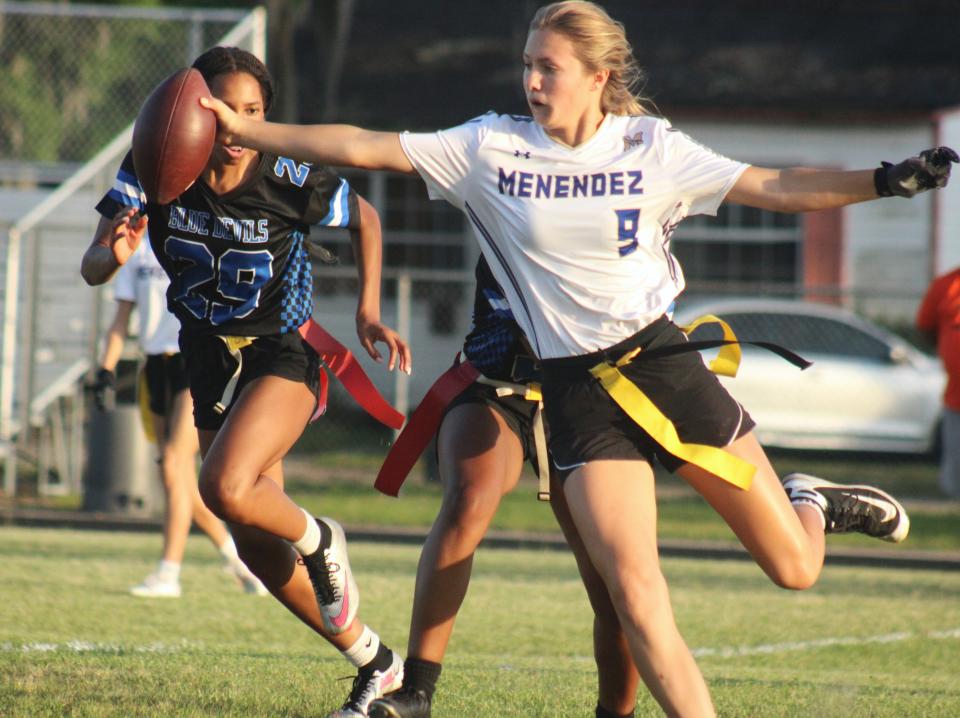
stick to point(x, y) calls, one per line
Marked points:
point(939, 320)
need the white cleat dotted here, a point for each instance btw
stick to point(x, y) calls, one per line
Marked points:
point(246, 578)
point(154, 586)
point(367, 687)
point(337, 594)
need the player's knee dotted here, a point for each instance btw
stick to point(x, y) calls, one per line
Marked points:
point(795, 572)
point(226, 499)
point(472, 505)
point(640, 591)
point(210, 494)
point(174, 463)
point(797, 578)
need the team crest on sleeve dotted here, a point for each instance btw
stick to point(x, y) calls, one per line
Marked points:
point(635, 141)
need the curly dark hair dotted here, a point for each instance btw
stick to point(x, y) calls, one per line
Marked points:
point(222, 60)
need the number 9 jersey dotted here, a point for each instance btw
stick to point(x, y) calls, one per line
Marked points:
point(237, 262)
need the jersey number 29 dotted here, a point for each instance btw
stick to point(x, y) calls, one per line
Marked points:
point(238, 277)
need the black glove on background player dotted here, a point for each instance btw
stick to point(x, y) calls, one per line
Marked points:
point(929, 170)
point(103, 389)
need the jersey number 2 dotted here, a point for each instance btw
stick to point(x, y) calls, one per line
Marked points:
point(238, 276)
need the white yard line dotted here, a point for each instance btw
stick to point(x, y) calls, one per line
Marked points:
point(722, 652)
point(114, 649)
point(792, 646)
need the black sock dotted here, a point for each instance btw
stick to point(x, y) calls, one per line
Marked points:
point(421, 675)
point(381, 661)
point(604, 713)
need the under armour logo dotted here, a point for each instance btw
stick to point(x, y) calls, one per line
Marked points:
point(518, 153)
point(634, 141)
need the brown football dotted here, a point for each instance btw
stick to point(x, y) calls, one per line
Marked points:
point(173, 136)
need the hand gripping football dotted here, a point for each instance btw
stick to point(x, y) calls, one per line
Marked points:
point(173, 136)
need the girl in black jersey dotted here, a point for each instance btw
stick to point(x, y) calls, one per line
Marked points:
point(240, 283)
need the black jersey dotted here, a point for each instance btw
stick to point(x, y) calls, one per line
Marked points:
point(237, 262)
point(495, 339)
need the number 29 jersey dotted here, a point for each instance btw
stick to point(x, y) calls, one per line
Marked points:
point(237, 261)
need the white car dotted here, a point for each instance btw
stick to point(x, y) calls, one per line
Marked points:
point(867, 390)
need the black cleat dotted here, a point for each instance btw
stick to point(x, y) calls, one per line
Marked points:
point(405, 703)
point(851, 508)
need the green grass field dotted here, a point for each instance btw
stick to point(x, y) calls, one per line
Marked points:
point(864, 642)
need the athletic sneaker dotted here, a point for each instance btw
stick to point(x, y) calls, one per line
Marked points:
point(369, 685)
point(155, 586)
point(333, 581)
point(245, 577)
point(405, 703)
point(854, 507)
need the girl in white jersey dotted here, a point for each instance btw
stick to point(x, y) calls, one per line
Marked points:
point(573, 209)
point(141, 283)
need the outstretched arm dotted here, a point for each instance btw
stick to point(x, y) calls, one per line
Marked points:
point(337, 145)
point(802, 189)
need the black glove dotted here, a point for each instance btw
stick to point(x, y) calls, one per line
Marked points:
point(930, 169)
point(103, 389)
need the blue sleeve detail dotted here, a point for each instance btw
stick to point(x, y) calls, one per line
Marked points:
point(123, 199)
point(339, 213)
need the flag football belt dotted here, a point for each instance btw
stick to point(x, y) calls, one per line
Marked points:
point(425, 420)
point(338, 359)
point(648, 417)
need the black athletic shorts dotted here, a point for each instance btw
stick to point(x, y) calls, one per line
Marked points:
point(210, 367)
point(166, 376)
point(516, 411)
point(586, 424)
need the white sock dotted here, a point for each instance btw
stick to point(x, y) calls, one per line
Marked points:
point(310, 541)
point(168, 571)
point(364, 648)
point(814, 504)
point(228, 549)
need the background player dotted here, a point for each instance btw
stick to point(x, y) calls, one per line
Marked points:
point(241, 286)
point(575, 223)
point(938, 320)
point(141, 284)
point(482, 442)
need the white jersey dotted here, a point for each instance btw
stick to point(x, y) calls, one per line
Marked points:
point(142, 281)
point(577, 237)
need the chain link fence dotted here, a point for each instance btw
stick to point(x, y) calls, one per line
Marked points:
point(74, 77)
